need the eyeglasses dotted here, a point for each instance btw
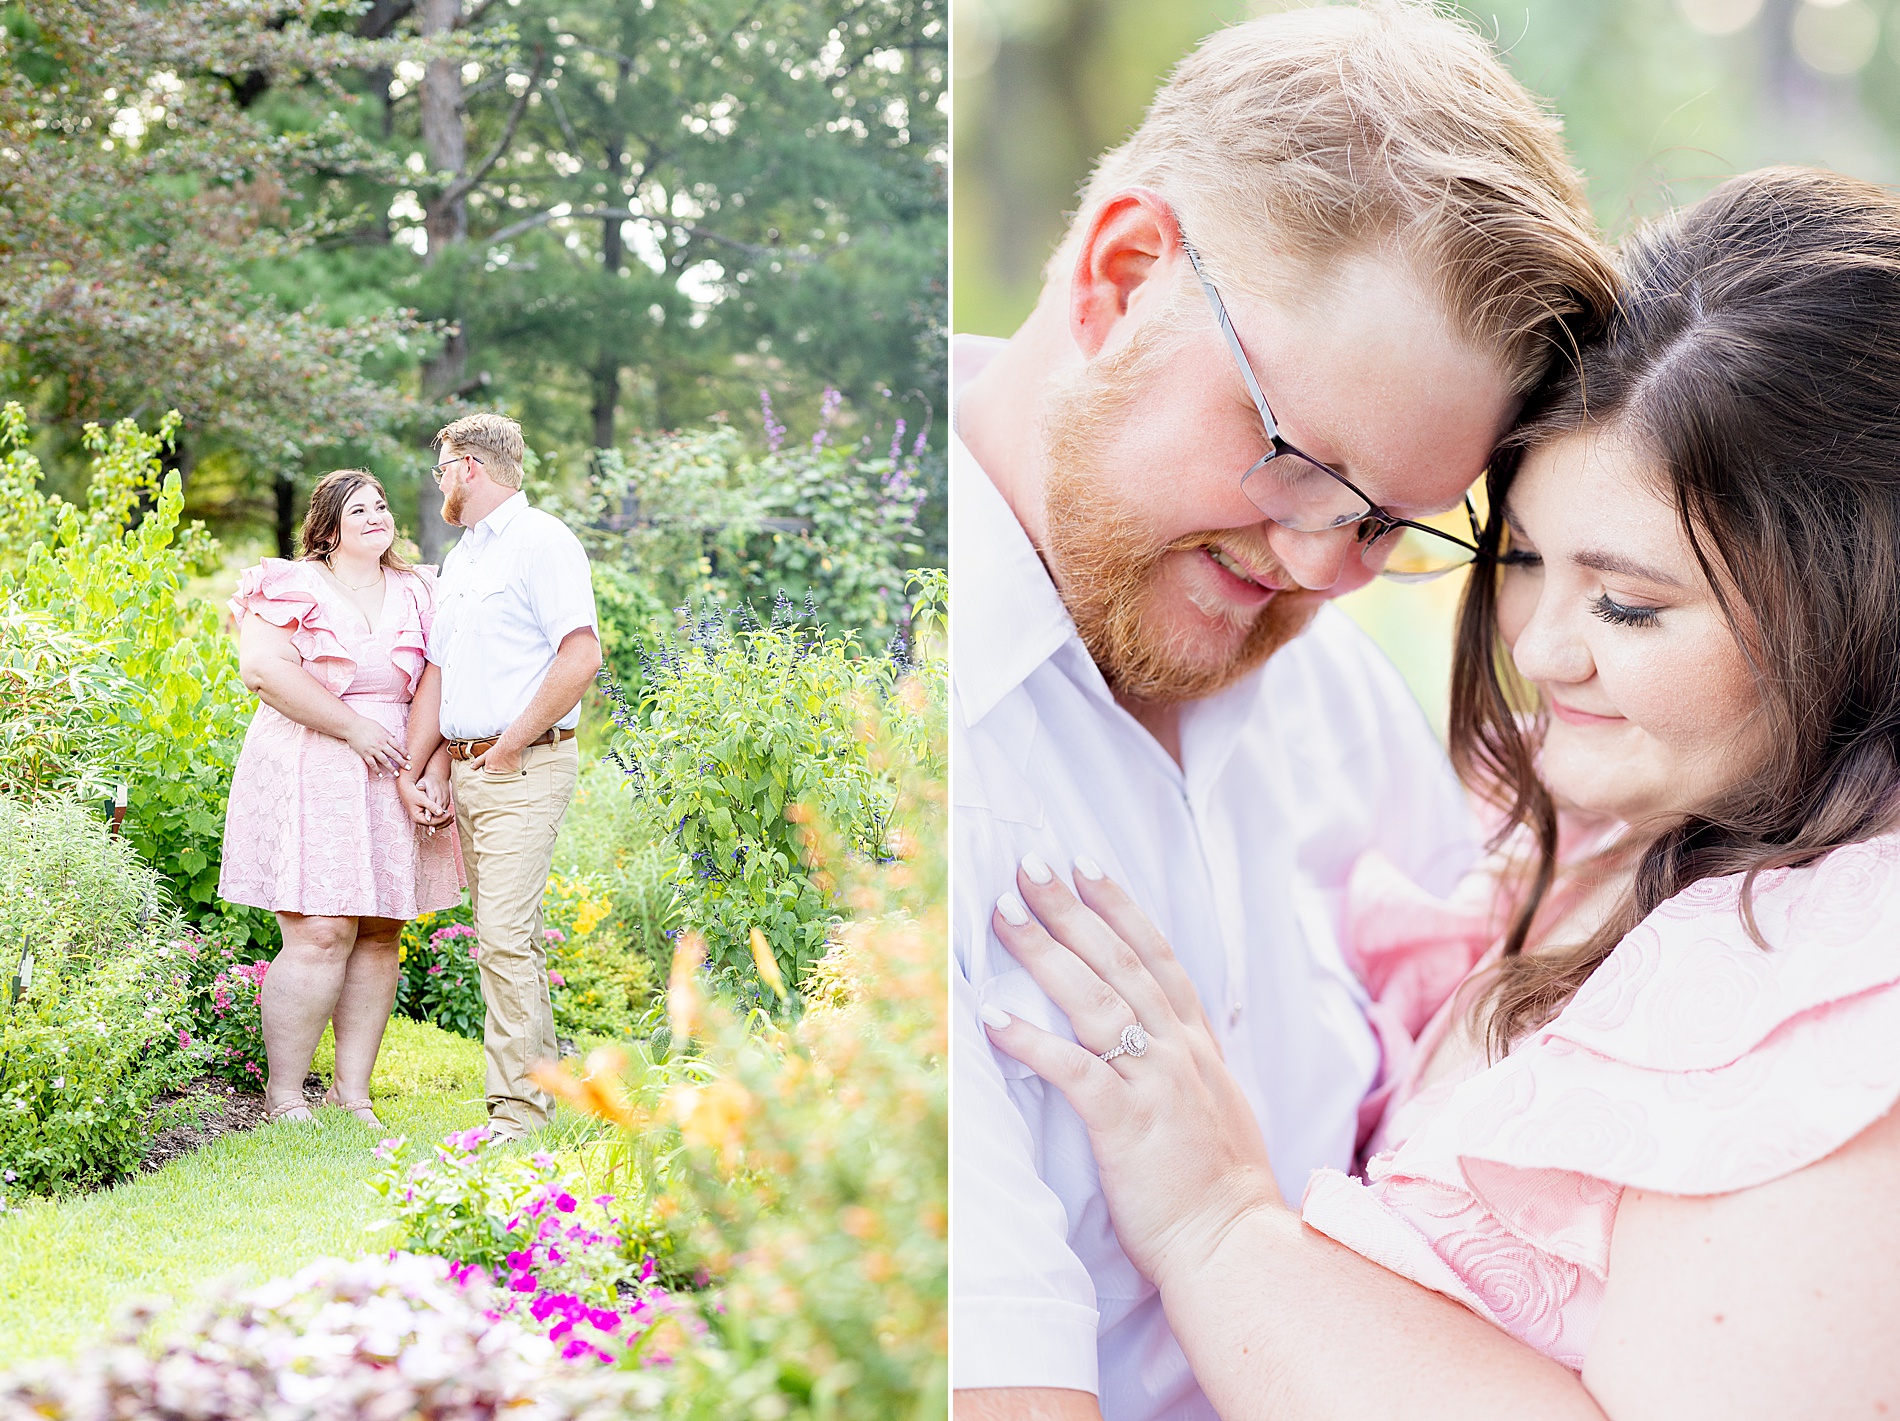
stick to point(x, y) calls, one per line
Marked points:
point(1298, 492)
point(437, 470)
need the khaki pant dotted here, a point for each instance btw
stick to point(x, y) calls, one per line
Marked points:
point(508, 824)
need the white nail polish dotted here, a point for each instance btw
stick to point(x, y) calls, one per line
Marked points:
point(1088, 867)
point(993, 1016)
point(1012, 909)
point(1038, 871)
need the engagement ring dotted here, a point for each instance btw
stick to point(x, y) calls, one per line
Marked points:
point(1134, 1042)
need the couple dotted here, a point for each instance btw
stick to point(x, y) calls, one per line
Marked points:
point(1271, 1100)
point(416, 734)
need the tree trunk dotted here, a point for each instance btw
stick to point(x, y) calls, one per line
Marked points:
point(441, 378)
point(613, 254)
point(285, 488)
point(442, 127)
point(606, 396)
point(447, 224)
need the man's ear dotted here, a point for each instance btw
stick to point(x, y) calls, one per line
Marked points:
point(1129, 243)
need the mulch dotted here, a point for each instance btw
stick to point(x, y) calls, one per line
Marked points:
point(222, 1109)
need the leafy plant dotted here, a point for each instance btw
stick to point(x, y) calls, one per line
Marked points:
point(91, 1040)
point(611, 844)
point(441, 977)
point(112, 575)
point(812, 1171)
point(698, 518)
point(224, 1021)
point(54, 688)
point(735, 729)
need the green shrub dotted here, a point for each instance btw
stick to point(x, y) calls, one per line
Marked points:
point(599, 976)
point(93, 1040)
point(55, 686)
point(112, 574)
point(441, 979)
point(610, 848)
point(224, 1021)
point(733, 730)
point(809, 1167)
point(696, 517)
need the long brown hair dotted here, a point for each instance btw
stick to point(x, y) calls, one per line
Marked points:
point(1755, 356)
point(323, 520)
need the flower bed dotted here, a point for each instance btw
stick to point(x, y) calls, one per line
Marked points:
point(389, 1336)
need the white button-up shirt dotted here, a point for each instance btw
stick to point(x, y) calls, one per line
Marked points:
point(510, 590)
point(1240, 856)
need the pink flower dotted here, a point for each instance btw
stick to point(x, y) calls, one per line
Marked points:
point(566, 1202)
point(522, 1282)
point(555, 979)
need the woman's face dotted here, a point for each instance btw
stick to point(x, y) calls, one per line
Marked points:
point(1653, 710)
point(366, 530)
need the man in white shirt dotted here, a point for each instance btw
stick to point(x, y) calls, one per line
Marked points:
point(513, 646)
point(1157, 482)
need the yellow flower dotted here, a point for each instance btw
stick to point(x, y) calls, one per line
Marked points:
point(590, 915)
point(767, 964)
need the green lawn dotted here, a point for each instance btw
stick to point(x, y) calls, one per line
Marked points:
point(259, 1204)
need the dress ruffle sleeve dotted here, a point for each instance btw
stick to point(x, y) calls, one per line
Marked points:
point(1693, 1062)
point(409, 643)
point(285, 594)
point(1411, 950)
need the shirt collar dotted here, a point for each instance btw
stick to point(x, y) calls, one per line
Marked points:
point(496, 523)
point(1006, 617)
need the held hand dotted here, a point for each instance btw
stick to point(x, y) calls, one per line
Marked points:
point(415, 799)
point(435, 788)
point(376, 747)
point(1179, 1150)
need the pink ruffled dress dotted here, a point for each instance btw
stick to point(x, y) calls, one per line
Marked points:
point(1692, 1062)
point(309, 828)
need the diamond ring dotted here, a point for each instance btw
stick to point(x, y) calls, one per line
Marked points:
point(1134, 1042)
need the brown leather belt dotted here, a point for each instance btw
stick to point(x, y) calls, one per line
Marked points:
point(469, 749)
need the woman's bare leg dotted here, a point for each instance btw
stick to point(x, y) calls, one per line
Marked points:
point(300, 991)
point(362, 1008)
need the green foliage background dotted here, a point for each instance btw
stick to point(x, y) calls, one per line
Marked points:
point(628, 215)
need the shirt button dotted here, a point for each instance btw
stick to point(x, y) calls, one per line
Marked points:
point(1233, 1017)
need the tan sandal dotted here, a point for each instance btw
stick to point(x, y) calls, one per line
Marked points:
point(362, 1109)
point(283, 1112)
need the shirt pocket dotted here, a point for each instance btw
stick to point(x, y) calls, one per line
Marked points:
point(1016, 992)
point(487, 596)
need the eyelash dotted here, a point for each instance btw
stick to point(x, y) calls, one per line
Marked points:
point(1613, 612)
point(1617, 615)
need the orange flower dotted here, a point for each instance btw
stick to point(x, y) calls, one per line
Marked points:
point(598, 1092)
point(682, 994)
point(712, 1116)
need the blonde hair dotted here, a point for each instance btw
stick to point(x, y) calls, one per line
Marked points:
point(495, 435)
point(1386, 128)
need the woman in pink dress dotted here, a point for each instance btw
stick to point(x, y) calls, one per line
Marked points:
point(1639, 1155)
point(333, 645)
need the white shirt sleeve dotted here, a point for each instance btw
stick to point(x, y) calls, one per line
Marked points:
point(1023, 1305)
point(559, 587)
